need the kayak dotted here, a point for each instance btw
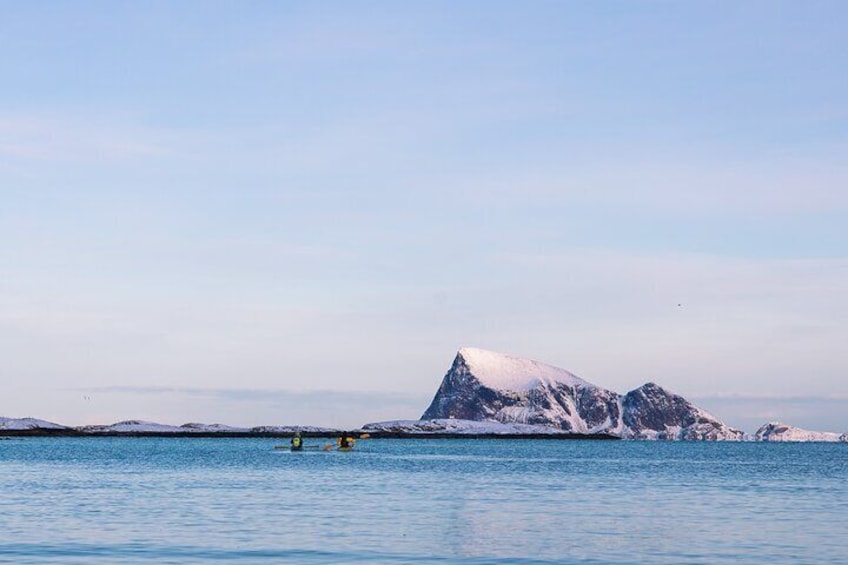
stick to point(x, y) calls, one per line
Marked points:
point(336, 447)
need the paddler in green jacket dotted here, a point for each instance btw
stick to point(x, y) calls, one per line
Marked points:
point(297, 442)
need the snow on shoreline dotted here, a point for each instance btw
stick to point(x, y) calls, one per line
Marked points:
point(771, 432)
point(460, 427)
point(20, 424)
point(146, 427)
point(141, 426)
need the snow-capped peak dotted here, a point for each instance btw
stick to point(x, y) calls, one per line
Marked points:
point(505, 372)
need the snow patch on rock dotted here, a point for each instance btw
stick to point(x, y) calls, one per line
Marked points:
point(20, 424)
point(292, 429)
point(778, 431)
point(505, 372)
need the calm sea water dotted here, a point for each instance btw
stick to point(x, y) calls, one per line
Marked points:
point(155, 500)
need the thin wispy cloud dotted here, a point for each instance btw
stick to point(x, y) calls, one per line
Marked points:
point(67, 139)
point(265, 395)
point(247, 407)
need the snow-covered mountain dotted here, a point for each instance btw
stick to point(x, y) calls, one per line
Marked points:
point(483, 385)
point(777, 431)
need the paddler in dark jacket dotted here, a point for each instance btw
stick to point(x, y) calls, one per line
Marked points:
point(346, 441)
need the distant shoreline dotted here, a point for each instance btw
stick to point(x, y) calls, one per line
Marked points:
point(272, 435)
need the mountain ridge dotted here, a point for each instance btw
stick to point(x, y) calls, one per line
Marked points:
point(529, 392)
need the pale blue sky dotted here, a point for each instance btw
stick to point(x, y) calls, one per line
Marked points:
point(311, 198)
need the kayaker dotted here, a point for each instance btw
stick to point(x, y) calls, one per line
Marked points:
point(297, 442)
point(346, 441)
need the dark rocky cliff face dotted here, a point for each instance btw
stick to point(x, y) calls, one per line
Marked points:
point(652, 411)
point(649, 407)
point(599, 406)
point(462, 397)
point(569, 408)
point(649, 412)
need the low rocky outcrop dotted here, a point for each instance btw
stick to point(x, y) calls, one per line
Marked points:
point(30, 426)
point(778, 431)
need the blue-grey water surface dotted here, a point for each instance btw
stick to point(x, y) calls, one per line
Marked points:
point(168, 500)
